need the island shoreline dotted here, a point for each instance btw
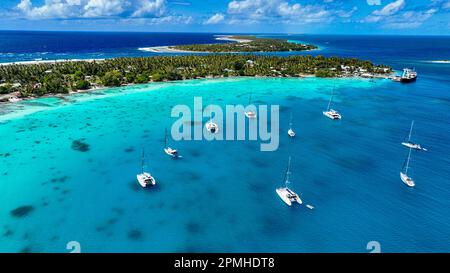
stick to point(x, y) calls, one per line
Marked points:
point(101, 88)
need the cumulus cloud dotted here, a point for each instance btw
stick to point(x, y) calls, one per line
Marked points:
point(65, 9)
point(215, 19)
point(394, 16)
point(390, 8)
point(101, 8)
point(387, 11)
point(280, 10)
point(151, 8)
point(409, 19)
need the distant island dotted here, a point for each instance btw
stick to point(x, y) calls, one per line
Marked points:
point(239, 43)
point(25, 80)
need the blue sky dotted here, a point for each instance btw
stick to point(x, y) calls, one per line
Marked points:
point(268, 16)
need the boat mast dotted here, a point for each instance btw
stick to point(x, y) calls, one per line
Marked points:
point(288, 173)
point(410, 131)
point(407, 161)
point(290, 122)
point(143, 160)
point(165, 139)
point(331, 98)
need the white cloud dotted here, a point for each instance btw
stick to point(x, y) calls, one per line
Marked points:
point(446, 5)
point(215, 19)
point(170, 19)
point(392, 16)
point(387, 11)
point(101, 8)
point(72, 9)
point(347, 14)
point(278, 10)
point(390, 8)
point(409, 19)
point(63, 9)
point(51, 8)
point(150, 8)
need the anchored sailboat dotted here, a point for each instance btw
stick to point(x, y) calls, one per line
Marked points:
point(250, 114)
point(331, 113)
point(287, 195)
point(404, 173)
point(291, 132)
point(211, 126)
point(145, 179)
point(169, 151)
point(408, 143)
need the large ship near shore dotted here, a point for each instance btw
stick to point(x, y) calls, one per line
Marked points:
point(409, 75)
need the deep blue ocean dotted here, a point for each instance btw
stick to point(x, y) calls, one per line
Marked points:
point(220, 197)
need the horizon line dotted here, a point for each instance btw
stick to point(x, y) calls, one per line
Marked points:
point(227, 33)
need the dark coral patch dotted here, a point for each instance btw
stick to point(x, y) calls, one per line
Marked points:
point(134, 235)
point(26, 249)
point(129, 150)
point(8, 232)
point(193, 228)
point(80, 146)
point(22, 211)
point(59, 179)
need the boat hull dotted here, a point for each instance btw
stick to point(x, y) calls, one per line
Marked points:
point(291, 133)
point(143, 178)
point(283, 194)
point(250, 115)
point(407, 180)
point(212, 127)
point(171, 152)
point(408, 80)
point(413, 146)
point(332, 116)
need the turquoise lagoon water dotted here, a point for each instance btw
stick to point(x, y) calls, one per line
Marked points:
point(220, 197)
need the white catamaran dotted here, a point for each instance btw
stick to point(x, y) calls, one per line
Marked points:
point(145, 179)
point(408, 143)
point(331, 113)
point(169, 151)
point(250, 114)
point(291, 132)
point(404, 173)
point(287, 195)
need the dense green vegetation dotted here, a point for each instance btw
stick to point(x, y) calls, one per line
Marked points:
point(254, 45)
point(62, 77)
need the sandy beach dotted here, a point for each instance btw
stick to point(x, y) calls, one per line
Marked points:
point(440, 62)
point(170, 49)
point(231, 39)
point(166, 49)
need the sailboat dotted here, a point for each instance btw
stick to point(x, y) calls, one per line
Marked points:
point(331, 113)
point(404, 173)
point(169, 151)
point(410, 144)
point(250, 114)
point(291, 132)
point(211, 126)
point(285, 193)
point(145, 179)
